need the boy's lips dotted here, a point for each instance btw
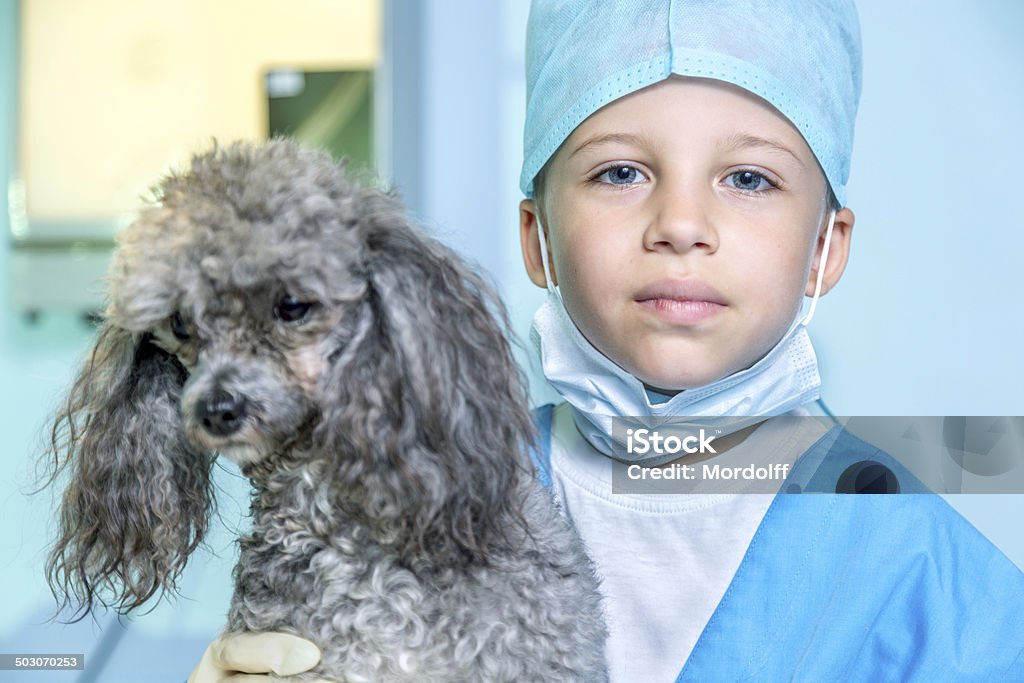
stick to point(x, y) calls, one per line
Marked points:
point(685, 301)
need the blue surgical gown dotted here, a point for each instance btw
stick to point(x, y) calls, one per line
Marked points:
point(859, 587)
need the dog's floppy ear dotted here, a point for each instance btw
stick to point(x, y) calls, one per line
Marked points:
point(430, 396)
point(138, 498)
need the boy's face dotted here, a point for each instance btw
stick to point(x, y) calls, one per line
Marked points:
point(685, 222)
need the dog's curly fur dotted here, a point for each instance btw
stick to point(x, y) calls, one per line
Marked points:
point(380, 417)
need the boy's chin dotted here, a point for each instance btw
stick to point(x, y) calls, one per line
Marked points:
point(670, 371)
point(670, 378)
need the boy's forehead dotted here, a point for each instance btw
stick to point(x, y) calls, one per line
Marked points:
point(691, 112)
point(802, 58)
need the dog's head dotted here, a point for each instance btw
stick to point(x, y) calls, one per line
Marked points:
point(269, 309)
point(249, 272)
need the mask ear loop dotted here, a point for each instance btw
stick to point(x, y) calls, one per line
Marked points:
point(550, 281)
point(821, 269)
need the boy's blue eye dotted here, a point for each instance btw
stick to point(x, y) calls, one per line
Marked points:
point(750, 181)
point(621, 175)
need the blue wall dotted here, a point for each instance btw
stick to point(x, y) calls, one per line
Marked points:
point(927, 320)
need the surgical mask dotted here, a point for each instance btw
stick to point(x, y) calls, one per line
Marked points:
point(599, 390)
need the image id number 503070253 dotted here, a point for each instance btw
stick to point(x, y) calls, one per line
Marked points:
point(40, 662)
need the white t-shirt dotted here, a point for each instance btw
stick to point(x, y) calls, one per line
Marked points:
point(665, 561)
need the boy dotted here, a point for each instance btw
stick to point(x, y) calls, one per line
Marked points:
point(685, 167)
point(688, 174)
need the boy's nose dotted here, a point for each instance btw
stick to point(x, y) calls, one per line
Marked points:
point(681, 223)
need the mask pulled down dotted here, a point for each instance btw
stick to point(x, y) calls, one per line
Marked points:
point(608, 402)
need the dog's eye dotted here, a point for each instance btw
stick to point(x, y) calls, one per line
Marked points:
point(290, 310)
point(179, 328)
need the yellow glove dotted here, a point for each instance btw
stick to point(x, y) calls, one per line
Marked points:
point(232, 658)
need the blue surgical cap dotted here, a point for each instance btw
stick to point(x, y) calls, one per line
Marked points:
point(801, 56)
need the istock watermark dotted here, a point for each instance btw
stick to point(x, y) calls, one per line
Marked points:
point(644, 441)
point(815, 454)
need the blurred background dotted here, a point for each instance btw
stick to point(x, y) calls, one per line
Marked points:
point(99, 99)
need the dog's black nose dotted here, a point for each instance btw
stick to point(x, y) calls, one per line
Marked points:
point(221, 413)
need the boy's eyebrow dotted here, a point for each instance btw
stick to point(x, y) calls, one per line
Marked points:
point(742, 140)
point(624, 138)
point(731, 143)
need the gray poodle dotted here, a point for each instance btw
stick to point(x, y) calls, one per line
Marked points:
point(268, 309)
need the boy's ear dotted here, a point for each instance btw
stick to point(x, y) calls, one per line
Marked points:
point(529, 239)
point(838, 253)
